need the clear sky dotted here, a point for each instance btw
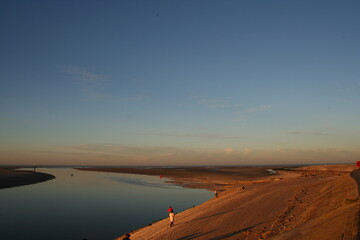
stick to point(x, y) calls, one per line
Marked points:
point(179, 82)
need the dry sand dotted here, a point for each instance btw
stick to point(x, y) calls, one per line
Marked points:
point(9, 177)
point(315, 202)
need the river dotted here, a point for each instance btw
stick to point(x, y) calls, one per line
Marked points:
point(89, 205)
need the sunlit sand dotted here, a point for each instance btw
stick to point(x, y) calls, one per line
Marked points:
point(316, 202)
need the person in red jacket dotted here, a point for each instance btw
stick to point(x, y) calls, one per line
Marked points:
point(171, 216)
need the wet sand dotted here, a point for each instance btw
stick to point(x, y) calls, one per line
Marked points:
point(316, 202)
point(9, 177)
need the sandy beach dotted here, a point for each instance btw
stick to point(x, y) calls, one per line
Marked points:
point(10, 177)
point(314, 202)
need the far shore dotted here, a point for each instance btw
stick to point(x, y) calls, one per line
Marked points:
point(10, 177)
point(210, 178)
point(313, 202)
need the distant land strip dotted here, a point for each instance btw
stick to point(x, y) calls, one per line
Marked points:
point(10, 177)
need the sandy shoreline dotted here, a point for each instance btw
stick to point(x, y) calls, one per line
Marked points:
point(211, 178)
point(316, 202)
point(10, 177)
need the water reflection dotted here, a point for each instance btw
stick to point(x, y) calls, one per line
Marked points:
point(140, 182)
point(91, 205)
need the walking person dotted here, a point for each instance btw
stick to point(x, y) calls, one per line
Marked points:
point(171, 216)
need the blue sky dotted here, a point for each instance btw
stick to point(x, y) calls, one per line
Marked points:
point(179, 82)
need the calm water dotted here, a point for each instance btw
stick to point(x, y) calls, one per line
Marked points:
point(91, 205)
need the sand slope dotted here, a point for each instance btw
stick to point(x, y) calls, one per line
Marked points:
point(317, 203)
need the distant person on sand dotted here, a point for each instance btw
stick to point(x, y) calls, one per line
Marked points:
point(216, 194)
point(127, 237)
point(171, 216)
